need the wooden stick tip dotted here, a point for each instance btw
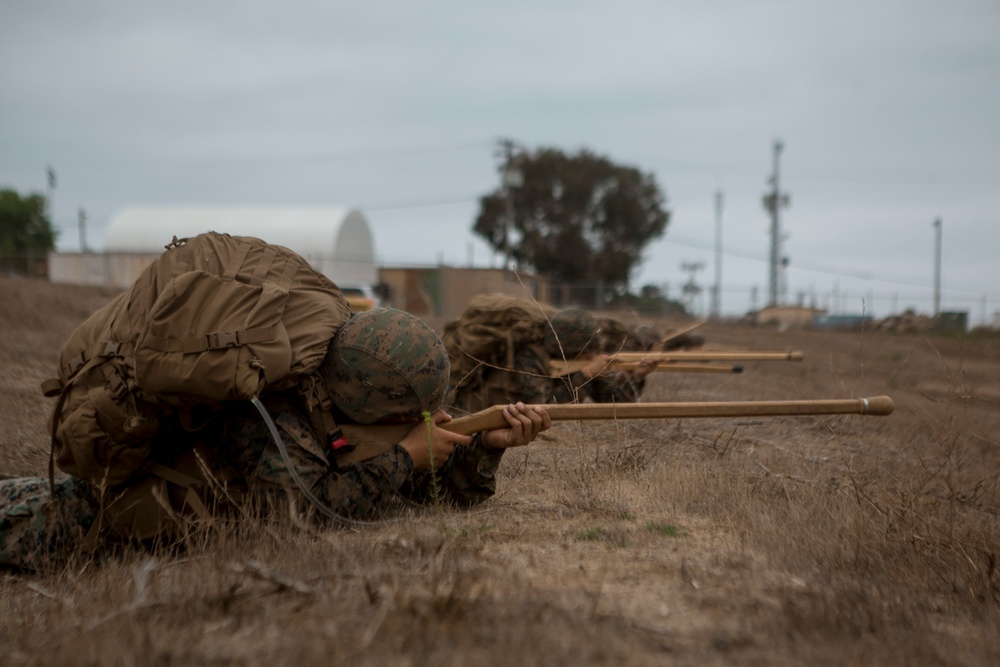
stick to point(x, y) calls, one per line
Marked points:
point(878, 405)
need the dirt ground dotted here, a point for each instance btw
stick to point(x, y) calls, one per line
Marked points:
point(822, 540)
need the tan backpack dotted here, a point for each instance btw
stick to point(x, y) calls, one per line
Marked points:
point(485, 338)
point(216, 318)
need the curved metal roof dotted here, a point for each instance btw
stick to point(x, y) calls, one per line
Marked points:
point(337, 241)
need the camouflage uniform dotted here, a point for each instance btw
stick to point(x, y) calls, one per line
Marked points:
point(36, 530)
point(614, 337)
point(613, 387)
point(382, 366)
point(577, 335)
point(572, 334)
point(249, 453)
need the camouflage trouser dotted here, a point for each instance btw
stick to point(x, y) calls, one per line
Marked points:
point(37, 531)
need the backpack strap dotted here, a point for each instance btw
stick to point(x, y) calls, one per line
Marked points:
point(319, 407)
point(509, 335)
point(52, 387)
point(263, 266)
point(145, 507)
point(105, 350)
point(191, 498)
point(63, 394)
point(214, 341)
point(236, 261)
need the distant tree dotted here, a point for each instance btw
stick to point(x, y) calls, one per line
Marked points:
point(576, 218)
point(26, 234)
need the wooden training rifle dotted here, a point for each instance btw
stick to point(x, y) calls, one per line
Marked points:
point(632, 359)
point(678, 368)
point(371, 440)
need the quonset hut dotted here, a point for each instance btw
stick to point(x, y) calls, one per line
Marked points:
point(336, 241)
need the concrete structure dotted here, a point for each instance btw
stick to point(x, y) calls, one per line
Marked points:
point(444, 291)
point(788, 316)
point(98, 269)
point(953, 321)
point(336, 241)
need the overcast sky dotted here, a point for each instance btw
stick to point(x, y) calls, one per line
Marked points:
point(888, 112)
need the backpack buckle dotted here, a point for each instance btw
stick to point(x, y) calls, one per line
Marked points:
point(222, 339)
point(75, 364)
point(117, 387)
point(111, 349)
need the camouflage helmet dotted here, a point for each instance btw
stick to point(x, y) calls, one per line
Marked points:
point(385, 365)
point(646, 337)
point(570, 332)
point(613, 336)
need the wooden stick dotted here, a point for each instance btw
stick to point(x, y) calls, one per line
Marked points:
point(679, 368)
point(492, 417)
point(681, 332)
point(560, 367)
point(372, 440)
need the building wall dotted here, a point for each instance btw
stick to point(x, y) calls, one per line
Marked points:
point(459, 285)
point(100, 269)
point(336, 241)
point(445, 291)
point(406, 290)
point(440, 291)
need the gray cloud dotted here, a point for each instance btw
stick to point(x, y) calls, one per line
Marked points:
point(886, 109)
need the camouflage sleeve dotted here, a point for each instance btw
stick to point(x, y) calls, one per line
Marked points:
point(466, 478)
point(614, 388)
point(608, 388)
point(528, 382)
point(357, 490)
point(533, 381)
point(37, 531)
point(571, 388)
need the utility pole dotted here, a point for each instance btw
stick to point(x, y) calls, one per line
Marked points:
point(717, 290)
point(691, 288)
point(82, 218)
point(512, 178)
point(50, 174)
point(937, 267)
point(773, 203)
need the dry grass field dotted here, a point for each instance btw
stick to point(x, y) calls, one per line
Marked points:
point(837, 540)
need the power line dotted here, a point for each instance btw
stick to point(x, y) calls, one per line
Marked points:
point(418, 203)
point(804, 265)
point(819, 267)
point(255, 161)
point(405, 153)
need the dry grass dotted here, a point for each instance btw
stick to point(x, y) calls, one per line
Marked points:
point(809, 540)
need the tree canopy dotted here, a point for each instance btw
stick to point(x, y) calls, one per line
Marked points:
point(26, 234)
point(576, 218)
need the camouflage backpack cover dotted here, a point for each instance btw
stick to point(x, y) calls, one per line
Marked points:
point(484, 340)
point(216, 318)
